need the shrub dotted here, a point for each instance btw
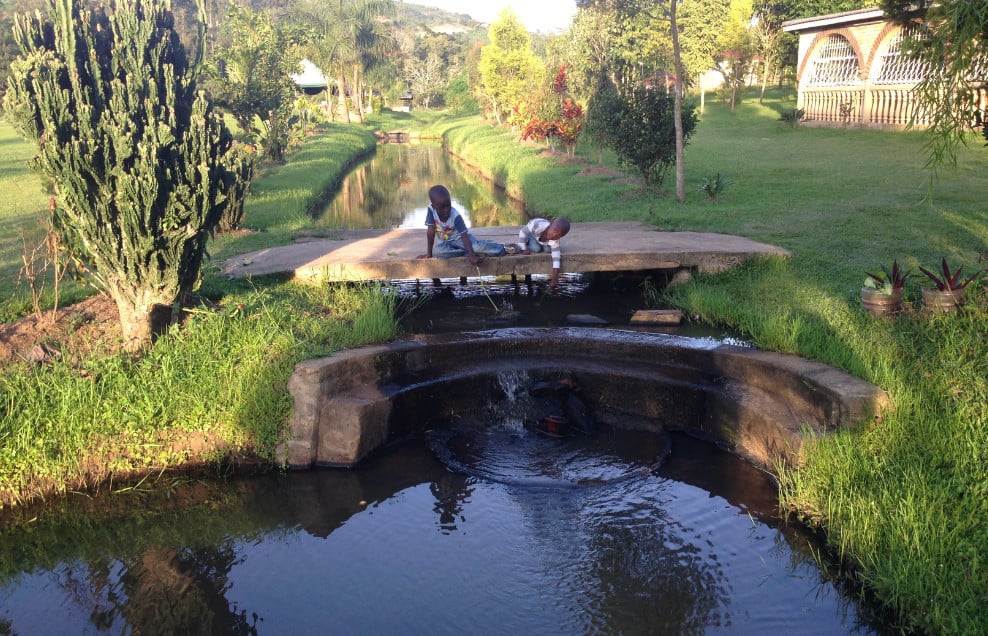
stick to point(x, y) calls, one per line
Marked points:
point(792, 116)
point(645, 134)
point(715, 185)
point(143, 166)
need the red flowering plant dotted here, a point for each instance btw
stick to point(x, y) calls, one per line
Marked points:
point(537, 129)
point(569, 125)
point(559, 85)
point(550, 114)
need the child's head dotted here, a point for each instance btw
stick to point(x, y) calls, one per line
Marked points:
point(558, 228)
point(440, 199)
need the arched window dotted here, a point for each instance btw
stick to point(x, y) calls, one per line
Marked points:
point(895, 66)
point(834, 64)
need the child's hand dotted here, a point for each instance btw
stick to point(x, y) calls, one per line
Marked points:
point(526, 252)
point(473, 258)
point(424, 256)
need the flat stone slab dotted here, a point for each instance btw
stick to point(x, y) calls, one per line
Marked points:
point(657, 317)
point(585, 319)
point(589, 247)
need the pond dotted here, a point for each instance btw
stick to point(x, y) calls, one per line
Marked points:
point(480, 524)
point(405, 545)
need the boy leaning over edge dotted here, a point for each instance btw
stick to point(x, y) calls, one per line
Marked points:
point(538, 234)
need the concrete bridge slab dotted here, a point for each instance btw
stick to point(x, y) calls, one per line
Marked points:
point(356, 255)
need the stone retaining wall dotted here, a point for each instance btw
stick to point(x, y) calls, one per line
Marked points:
point(754, 402)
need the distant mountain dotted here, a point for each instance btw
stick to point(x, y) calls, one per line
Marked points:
point(437, 20)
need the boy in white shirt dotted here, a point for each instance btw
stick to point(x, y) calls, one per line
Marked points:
point(539, 234)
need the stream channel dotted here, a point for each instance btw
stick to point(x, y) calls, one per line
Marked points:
point(480, 526)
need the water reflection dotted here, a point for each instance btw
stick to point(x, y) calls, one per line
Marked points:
point(403, 545)
point(391, 190)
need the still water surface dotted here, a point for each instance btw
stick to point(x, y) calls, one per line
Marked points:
point(392, 190)
point(404, 545)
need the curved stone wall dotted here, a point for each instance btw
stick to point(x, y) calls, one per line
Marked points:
point(754, 402)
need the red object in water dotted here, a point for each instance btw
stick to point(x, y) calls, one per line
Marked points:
point(556, 424)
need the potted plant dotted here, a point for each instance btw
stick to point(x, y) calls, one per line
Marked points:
point(881, 294)
point(949, 291)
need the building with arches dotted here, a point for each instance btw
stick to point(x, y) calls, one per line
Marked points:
point(851, 71)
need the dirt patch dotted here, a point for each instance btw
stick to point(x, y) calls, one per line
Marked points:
point(73, 332)
point(562, 158)
point(602, 171)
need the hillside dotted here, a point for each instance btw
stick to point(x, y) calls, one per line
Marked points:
point(437, 20)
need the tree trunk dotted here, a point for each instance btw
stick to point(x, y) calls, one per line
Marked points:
point(765, 69)
point(344, 107)
point(358, 93)
point(678, 105)
point(329, 103)
point(142, 319)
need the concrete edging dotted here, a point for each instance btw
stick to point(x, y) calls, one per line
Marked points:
point(756, 403)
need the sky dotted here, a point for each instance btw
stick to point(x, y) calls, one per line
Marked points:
point(540, 16)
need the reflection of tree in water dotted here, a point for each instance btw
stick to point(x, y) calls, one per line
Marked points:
point(162, 591)
point(380, 192)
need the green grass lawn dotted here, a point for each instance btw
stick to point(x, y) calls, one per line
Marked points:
point(902, 499)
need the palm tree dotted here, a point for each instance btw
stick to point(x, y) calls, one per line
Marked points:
point(348, 37)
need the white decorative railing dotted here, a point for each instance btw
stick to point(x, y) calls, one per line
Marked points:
point(895, 107)
point(833, 105)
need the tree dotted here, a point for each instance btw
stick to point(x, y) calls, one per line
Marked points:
point(507, 66)
point(590, 53)
point(621, 48)
point(646, 137)
point(142, 164)
point(429, 64)
point(735, 47)
point(425, 77)
point(348, 37)
point(604, 112)
point(251, 76)
point(766, 38)
point(635, 7)
point(950, 41)
point(792, 9)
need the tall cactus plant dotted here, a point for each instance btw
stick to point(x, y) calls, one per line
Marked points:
point(142, 165)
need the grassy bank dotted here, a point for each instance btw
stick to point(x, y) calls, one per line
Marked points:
point(903, 499)
point(78, 421)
